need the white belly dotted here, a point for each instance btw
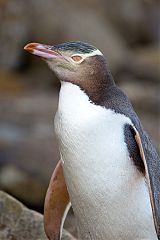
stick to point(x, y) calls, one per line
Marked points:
point(109, 196)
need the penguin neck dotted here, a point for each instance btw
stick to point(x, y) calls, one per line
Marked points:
point(96, 80)
point(97, 88)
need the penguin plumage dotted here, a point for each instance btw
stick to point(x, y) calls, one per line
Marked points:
point(111, 167)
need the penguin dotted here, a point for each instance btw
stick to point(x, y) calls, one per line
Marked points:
point(109, 169)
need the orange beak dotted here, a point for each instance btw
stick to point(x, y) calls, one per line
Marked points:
point(44, 51)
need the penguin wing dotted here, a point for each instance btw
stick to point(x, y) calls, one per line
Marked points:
point(141, 148)
point(56, 204)
point(151, 166)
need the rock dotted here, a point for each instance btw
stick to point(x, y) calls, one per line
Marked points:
point(19, 183)
point(116, 28)
point(11, 83)
point(70, 223)
point(19, 223)
point(149, 56)
point(67, 236)
point(145, 101)
point(14, 32)
point(28, 149)
point(137, 20)
point(49, 27)
point(27, 134)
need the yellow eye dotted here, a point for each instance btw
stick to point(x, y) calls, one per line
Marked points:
point(76, 58)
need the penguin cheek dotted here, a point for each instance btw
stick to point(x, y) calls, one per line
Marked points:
point(65, 71)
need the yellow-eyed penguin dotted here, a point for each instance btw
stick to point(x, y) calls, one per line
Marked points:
point(111, 168)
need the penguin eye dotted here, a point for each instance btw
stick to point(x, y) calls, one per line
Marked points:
point(76, 58)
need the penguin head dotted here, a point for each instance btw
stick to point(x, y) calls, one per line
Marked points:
point(71, 61)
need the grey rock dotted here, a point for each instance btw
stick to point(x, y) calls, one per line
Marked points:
point(67, 236)
point(19, 223)
point(137, 20)
point(27, 133)
point(19, 183)
point(56, 21)
point(28, 149)
point(14, 32)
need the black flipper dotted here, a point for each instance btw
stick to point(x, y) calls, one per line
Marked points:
point(152, 171)
point(146, 160)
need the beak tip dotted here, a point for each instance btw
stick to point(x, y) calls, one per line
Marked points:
point(25, 47)
point(30, 47)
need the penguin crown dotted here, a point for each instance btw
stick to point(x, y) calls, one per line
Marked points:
point(78, 47)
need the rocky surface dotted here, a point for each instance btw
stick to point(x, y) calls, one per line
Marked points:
point(19, 223)
point(49, 26)
point(111, 26)
point(28, 149)
point(19, 183)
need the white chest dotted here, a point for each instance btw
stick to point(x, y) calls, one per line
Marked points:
point(90, 137)
point(103, 184)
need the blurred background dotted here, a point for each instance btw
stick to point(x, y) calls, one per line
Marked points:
point(127, 32)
